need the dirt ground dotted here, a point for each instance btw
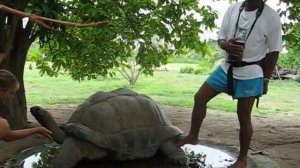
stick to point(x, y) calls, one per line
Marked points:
point(278, 137)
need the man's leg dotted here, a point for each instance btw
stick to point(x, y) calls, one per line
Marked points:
point(201, 98)
point(215, 83)
point(244, 108)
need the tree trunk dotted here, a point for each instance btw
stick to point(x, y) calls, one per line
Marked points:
point(15, 111)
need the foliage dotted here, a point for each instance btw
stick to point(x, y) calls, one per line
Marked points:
point(297, 79)
point(45, 157)
point(206, 61)
point(292, 31)
point(290, 60)
point(46, 8)
point(187, 69)
point(196, 160)
point(10, 163)
point(204, 68)
point(154, 30)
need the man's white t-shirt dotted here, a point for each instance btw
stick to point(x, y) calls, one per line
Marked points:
point(265, 37)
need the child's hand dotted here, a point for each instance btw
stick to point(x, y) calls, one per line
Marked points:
point(45, 132)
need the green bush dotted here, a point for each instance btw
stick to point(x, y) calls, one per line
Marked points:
point(205, 67)
point(187, 69)
point(202, 71)
point(198, 71)
point(290, 60)
point(297, 79)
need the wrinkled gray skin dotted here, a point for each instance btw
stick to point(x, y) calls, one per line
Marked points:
point(117, 125)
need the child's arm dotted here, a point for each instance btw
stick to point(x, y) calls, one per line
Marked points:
point(7, 134)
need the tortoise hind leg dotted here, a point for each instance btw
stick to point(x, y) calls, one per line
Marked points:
point(93, 152)
point(173, 153)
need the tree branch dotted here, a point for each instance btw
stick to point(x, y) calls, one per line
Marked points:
point(43, 20)
point(124, 73)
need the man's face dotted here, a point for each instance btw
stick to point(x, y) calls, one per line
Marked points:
point(253, 2)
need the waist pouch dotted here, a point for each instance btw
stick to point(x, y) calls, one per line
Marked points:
point(230, 73)
point(238, 64)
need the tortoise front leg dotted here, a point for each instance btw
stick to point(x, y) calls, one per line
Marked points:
point(73, 150)
point(69, 155)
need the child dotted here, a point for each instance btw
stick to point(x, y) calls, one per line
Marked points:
point(8, 87)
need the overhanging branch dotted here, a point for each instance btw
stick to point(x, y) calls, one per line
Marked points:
point(43, 21)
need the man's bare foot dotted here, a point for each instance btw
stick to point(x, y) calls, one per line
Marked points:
point(190, 139)
point(239, 164)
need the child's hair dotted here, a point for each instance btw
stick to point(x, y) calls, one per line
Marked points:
point(8, 80)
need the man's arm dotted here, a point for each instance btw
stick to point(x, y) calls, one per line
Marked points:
point(270, 63)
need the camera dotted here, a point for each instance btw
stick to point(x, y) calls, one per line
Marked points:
point(234, 58)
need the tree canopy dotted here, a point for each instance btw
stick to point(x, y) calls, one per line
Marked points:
point(148, 30)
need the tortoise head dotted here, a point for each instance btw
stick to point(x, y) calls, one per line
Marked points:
point(40, 114)
point(34, 110)
point(46, 120)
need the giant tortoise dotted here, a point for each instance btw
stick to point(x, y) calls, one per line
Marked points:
point(118, 125)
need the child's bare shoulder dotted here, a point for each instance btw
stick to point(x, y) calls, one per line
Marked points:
point(3, 122)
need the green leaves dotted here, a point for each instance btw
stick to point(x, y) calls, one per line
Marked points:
point(291, 30)
point(150, 31)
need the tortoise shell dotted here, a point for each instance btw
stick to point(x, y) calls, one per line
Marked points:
point(123, 121)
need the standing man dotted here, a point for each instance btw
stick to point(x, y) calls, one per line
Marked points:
point(251, 36)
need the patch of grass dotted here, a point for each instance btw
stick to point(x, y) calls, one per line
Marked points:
point(165, 87)
point(282, 97)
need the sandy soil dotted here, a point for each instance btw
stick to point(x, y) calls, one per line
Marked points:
point(278, 137)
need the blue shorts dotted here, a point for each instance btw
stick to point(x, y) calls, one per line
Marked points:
point(242, 88)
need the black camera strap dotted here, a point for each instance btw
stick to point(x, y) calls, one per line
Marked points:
point(258, 13)
point(234, 64)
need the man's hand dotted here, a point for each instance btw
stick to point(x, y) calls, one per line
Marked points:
point(266, 85)
point(231, 48)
